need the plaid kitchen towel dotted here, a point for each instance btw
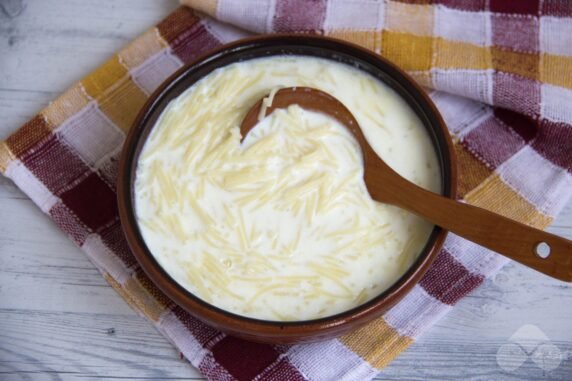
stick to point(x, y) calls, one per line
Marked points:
point(501, 74)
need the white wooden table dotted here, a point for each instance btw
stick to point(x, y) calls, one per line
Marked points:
point(59, 320)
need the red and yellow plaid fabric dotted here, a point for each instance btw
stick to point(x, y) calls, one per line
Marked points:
point(501, 74)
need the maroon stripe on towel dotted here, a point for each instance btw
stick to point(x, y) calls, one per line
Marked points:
point(66, 220)
point(299, 15)
point(108, 171)
point(508, 90)
point(93, 201)
point(558, 8)
point(200, 331)
point(212, 370)
point(493, 142)
point(515, 33)
point(244, 360)
point(112, 236)
point(186, 35)
point(554, 142)
point(193, 42)
point(55, 165)
point(448, 280)
point(177, 22)
point(524, 7)
point(526, 127)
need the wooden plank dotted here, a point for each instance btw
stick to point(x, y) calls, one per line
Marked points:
point(52, 44)
point(77, 346)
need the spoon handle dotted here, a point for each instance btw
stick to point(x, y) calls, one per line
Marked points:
point(510, 238)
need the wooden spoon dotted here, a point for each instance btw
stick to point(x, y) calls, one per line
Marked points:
point(545, 252)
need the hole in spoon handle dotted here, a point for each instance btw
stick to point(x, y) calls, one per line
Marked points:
point(542, 249)
point(551, 255)
point(539, 250)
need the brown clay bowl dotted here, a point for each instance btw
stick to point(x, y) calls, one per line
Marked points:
point(336, 50)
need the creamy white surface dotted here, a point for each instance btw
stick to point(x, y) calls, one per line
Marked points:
point(254, 228)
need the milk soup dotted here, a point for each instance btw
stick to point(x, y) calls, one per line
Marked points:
point(281, 226)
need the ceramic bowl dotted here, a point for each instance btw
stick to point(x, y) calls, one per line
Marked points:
point(292, 45)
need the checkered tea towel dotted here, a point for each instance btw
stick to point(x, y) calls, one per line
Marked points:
point(501, 74)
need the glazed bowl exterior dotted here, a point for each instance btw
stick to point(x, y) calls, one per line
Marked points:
point(257, 47)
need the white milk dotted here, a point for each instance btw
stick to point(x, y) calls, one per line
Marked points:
point(281, 227)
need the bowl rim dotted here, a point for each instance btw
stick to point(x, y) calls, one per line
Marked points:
point(252, 328)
